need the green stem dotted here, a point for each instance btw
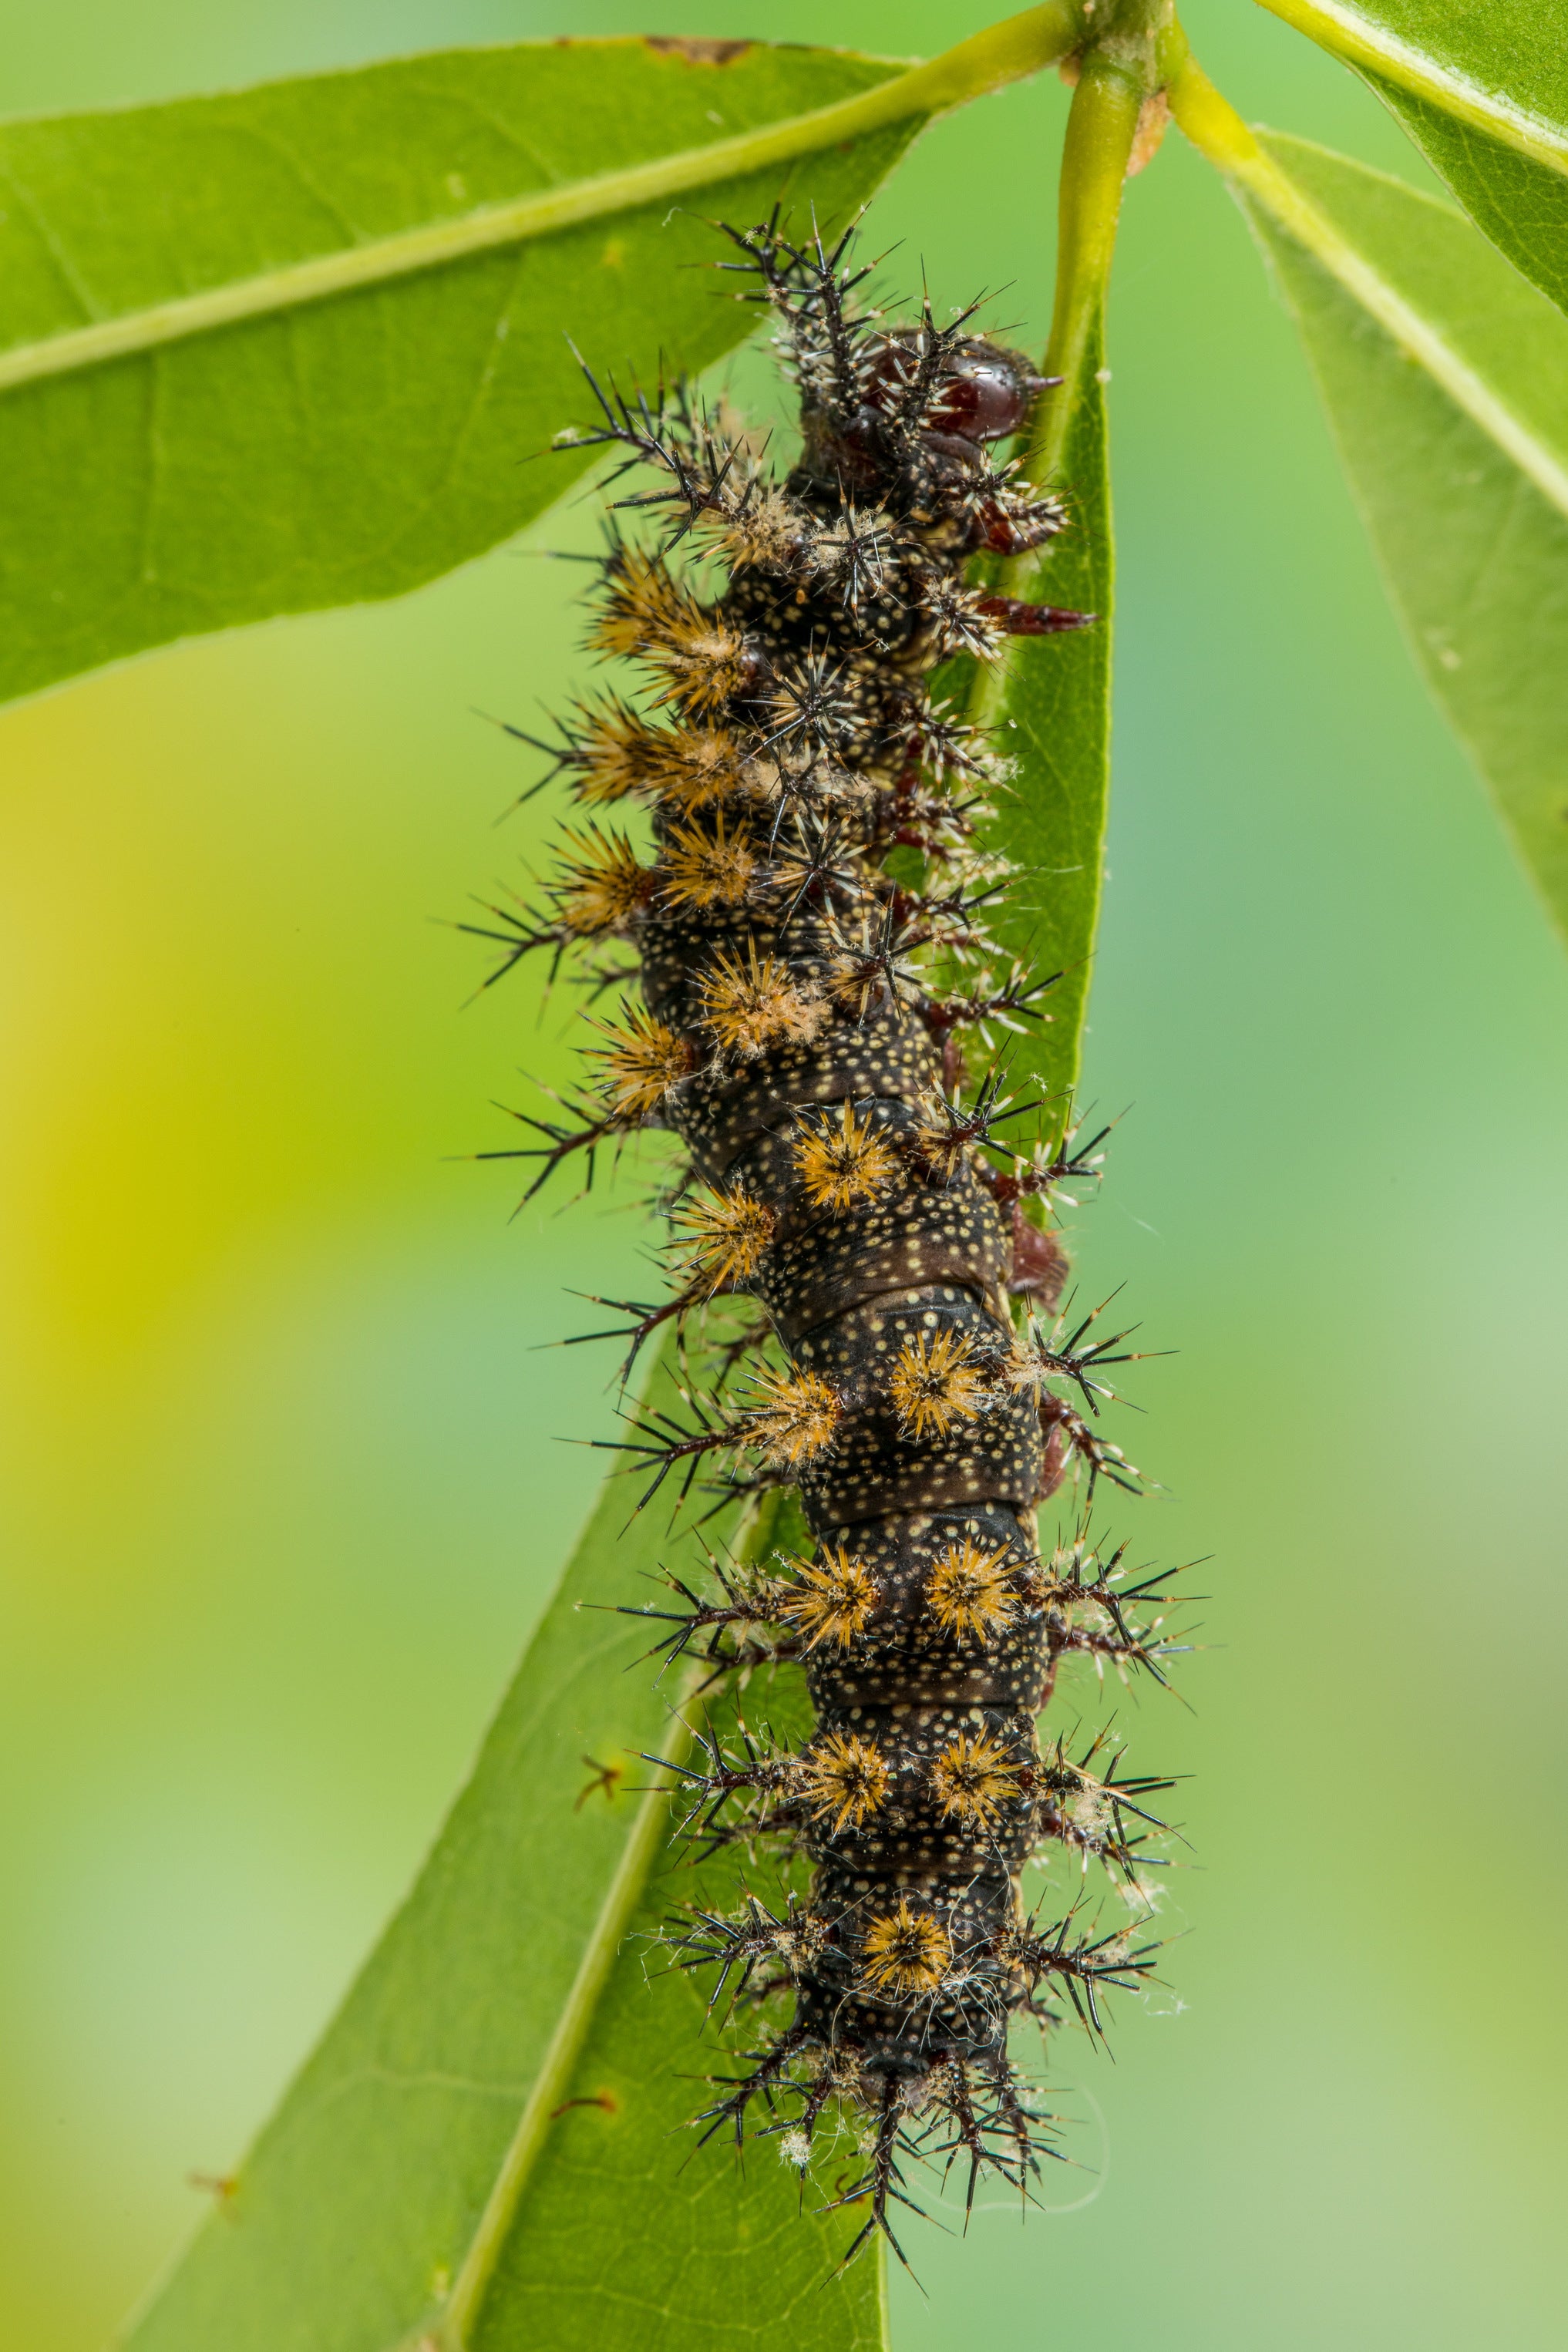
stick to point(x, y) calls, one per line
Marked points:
point(1348, 34)
point(1007, 52)
point(1101, 129)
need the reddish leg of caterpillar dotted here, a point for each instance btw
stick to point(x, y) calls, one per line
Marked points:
point(1040, 1262)
point(1022, 619)
point(1054, 1468)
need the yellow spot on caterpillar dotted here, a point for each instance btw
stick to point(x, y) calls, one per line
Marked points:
point(752, 1005)
point(840, 1165)
point(935, 1383)
point(723, 1235)
point(973, 1777)
point(833, 1598)
point(644, 1062)
point(642, 604)
point(795, 1419)
point(843, 1776)
point(971, 1591)
point(905, 1952)
point(613, 751)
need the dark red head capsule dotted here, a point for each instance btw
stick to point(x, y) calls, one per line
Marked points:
point(985, 392)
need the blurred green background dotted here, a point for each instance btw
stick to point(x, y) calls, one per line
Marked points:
point(282, 1493)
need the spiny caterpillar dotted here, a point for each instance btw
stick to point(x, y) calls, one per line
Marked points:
point(811, 931)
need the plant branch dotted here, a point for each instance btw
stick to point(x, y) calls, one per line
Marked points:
point(1216, 130)
point(1007, 52)
point(1100, 131)
point(1348, 35)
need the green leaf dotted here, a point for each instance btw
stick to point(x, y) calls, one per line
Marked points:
point(1048, 711)
point(1522, 205)
point(1483, 91)
point(298, 345)
point(1446, 381)
point(427, 2179)
point(705, 2252)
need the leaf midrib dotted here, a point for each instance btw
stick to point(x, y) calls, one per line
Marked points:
point(1217, 130)
point(1312, 228)
point(410, 252)
point(453, 2330)
point(1010, 51)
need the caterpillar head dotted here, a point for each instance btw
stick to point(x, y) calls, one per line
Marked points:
point(979, 391)
point(926, 401)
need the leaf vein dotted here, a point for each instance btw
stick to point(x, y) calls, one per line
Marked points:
point(65, 267)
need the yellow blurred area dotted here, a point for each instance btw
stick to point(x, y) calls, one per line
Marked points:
point(278, 1415)
point(280, 1489)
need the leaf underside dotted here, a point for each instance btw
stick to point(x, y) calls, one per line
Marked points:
point(1520, 204)
point(635, 2238)
point(354, 446)
point(1514, 53)
point(1474, 552)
